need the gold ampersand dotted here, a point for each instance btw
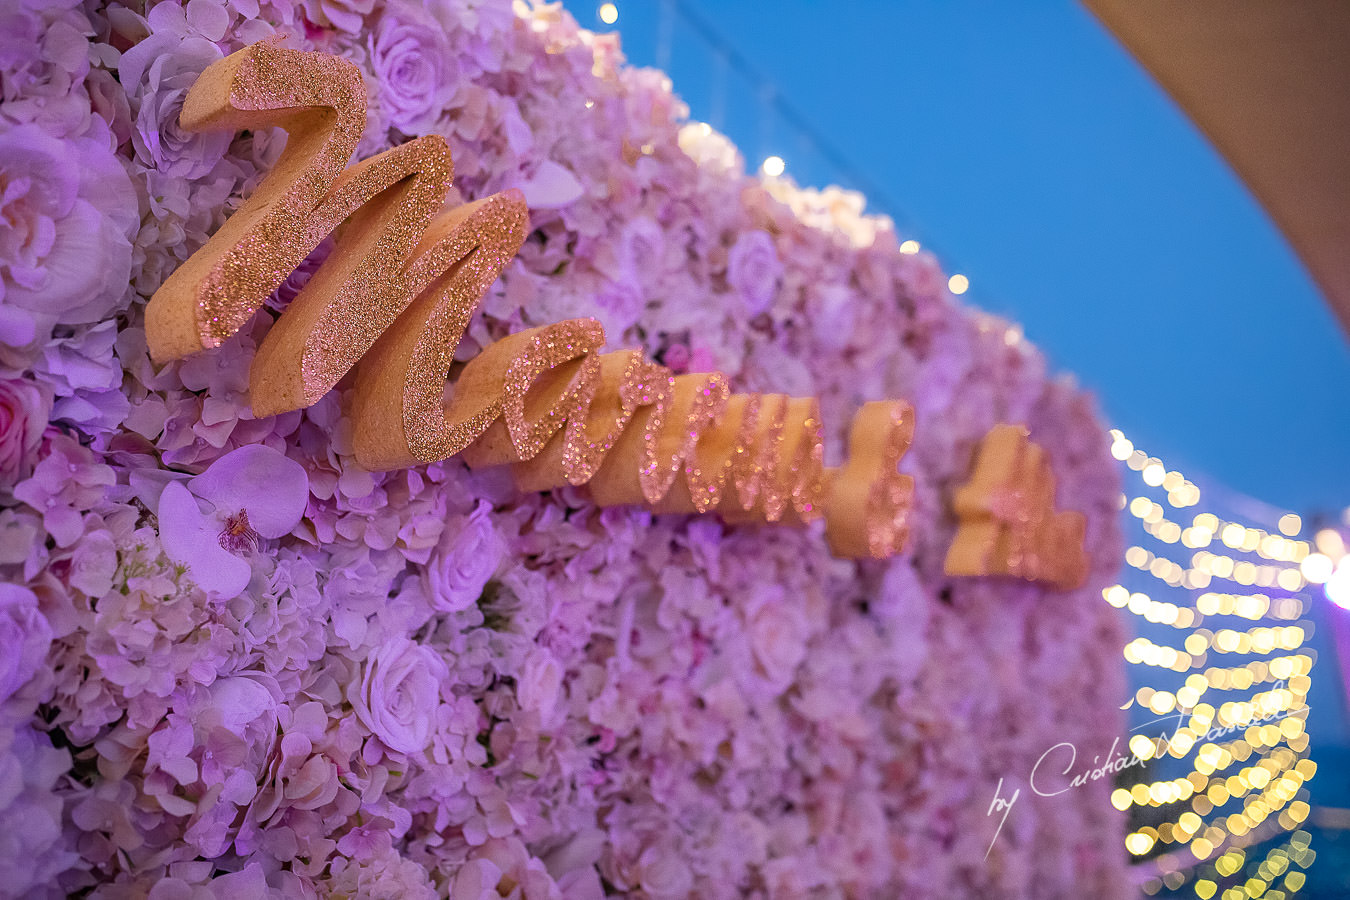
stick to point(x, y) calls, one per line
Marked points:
point(1006, 521)
point(395, 296)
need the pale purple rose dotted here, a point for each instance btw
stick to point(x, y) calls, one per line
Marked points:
point(753, 270)
point(396, 697)
point(214, 523)
point(68, 208)
point(665, 873)
point(778, 633)
point(414, 66)
point(619, 306)
point(158, 72)
point(23, 417)
point(25, 636)
point(464, 562)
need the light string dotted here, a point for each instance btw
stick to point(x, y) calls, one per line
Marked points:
point(1230, 687)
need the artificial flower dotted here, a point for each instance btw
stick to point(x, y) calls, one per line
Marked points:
point(23, 416)
point(753, 270)
point(215, 522)
point(292, 676)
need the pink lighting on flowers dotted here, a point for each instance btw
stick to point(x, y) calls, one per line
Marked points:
point(214, 523)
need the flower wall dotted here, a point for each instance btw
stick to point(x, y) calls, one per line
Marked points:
point(232, 663)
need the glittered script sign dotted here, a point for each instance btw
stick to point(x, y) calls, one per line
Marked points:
point(394, 299)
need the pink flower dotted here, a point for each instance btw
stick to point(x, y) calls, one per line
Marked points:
point(44, 60)
point(25, 636)
point(33, 850)
point(619, 305)
point(23, 416)
point(503, 867)
point(540, 682)
point(753, 270)
point(396, 696)
point(344, 15)
point(464, 562)
point(415, 69)
point(665, 873)
point(67, 208)
point(778, 632)
point(550, 186)
point(214, 522)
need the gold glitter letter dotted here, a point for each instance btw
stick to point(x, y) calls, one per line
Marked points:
point(869, 500)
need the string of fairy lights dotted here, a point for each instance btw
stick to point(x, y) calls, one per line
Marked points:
point(773, 106)
point(1232, 677)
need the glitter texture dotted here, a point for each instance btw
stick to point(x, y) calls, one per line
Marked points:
point(321, 101)
point(401, 414)
point(697, 402)
point(869, 500)
point(397, 294)
point(625, 381)
point(1007, 524)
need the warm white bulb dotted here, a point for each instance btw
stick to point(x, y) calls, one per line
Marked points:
point(1316, 568)
point(609, 13)
point(773, 166)
point(1338, 585)
point(958, 284)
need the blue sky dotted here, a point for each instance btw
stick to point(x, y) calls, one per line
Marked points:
point(1029, 150)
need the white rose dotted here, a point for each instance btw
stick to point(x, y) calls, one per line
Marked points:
point(778, 632)
point(397, 695)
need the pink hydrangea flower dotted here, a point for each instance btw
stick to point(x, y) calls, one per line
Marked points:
point(673, 706)
point(214, 522)
point(25, 636)
point(34, 850)
point(44, 60)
